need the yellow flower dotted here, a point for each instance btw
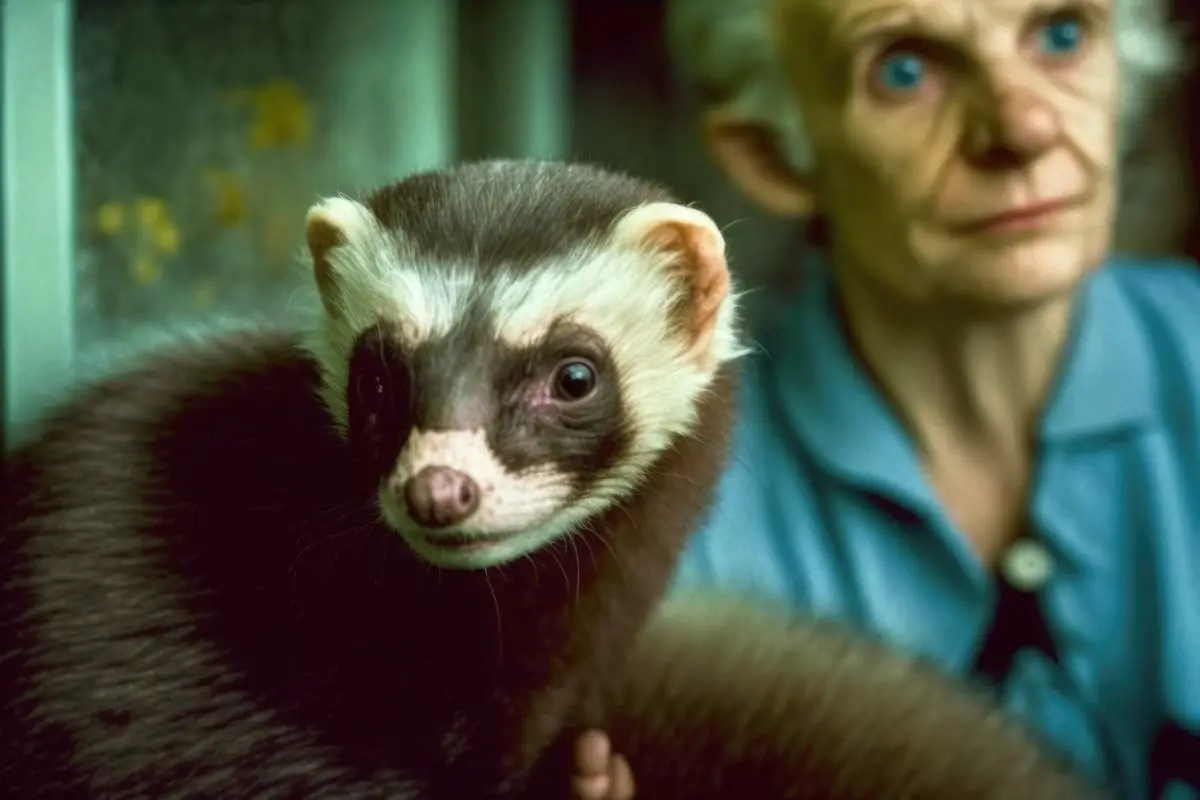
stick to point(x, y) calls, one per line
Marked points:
point(281, 115)
point(230, 202)
point(156, 234)
point(151, 212)
point(166, 238)
point(145, 269)
point(110, 218)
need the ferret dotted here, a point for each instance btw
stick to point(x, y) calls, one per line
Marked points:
point(413, 546)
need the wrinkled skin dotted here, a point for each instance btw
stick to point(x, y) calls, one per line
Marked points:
point(1004, 114)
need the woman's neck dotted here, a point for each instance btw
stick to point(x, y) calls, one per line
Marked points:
point(958, 376)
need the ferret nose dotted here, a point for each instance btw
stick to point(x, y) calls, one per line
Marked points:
point(440, 496)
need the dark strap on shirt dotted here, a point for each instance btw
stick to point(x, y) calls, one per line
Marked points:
point(1018, 624)
point(1175, 757)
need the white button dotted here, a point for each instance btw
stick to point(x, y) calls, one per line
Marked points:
point(1027, 565)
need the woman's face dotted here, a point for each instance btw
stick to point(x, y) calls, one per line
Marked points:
point(965, 148)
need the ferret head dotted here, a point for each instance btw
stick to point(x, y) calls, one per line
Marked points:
point(511, 346)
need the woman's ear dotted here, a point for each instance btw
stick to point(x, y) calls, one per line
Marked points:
point(750, 155)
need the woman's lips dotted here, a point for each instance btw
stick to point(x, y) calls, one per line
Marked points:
point(1035, 216)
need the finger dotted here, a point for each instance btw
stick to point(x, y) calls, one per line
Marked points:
point(592, 753)
point(595, 787)
point(621, 786)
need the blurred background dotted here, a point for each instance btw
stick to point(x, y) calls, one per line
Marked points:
point(159, 155)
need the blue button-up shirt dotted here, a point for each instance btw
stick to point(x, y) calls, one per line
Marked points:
point(807, 513)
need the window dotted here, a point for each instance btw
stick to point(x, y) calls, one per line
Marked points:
point(159, 156)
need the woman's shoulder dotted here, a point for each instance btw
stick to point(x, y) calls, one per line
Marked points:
point(766, 497)
point(1152, 335)
point(1163, 291)
point(1163, 296)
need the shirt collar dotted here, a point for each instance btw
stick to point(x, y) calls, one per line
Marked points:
point(1104, 386)
point(1106, 383)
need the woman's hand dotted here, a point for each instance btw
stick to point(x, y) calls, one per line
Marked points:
point(600, 774)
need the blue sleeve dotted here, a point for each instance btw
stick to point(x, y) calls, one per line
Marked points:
point(759, 531)
point(1166, 296)
point(693, 570)
point(696, 568)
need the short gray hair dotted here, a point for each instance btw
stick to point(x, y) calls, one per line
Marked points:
point(725, 48)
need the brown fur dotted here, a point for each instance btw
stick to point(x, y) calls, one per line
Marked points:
point(726, 699)
point(196, 601)
point(198, 597)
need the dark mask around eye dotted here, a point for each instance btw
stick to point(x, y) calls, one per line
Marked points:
point(562, 405)
point(380, 399)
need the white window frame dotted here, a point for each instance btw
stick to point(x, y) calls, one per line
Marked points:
point(39, 207)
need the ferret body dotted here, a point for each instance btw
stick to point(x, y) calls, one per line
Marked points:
point(411, 549)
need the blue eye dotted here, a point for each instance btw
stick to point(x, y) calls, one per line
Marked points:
point(1061, 37)
point(901, 71)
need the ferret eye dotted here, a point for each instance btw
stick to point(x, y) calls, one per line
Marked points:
point(574, 380)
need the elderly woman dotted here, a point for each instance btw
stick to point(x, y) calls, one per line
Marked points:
point(973, 431)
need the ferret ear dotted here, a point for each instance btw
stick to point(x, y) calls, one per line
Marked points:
point(333, 223)
point(698, 251)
